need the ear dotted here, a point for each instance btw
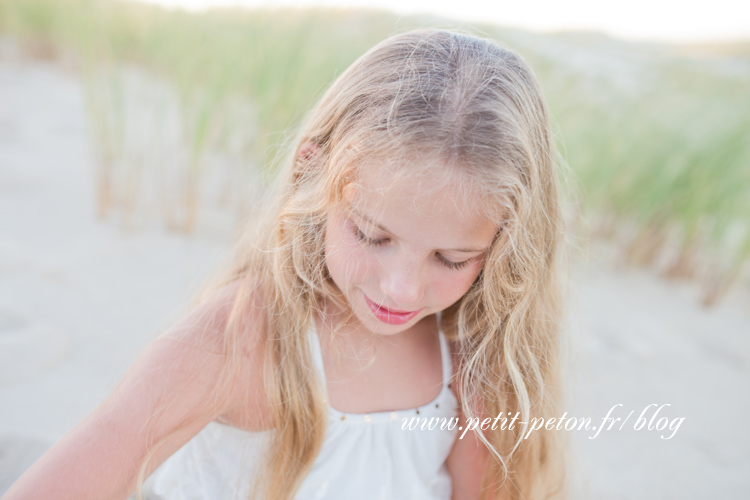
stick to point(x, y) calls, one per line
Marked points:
point(307, 151)
point(306, 157)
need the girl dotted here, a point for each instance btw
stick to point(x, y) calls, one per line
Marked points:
point(407, 270)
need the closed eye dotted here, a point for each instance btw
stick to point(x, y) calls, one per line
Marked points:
point(362, 237)
point(450, 264)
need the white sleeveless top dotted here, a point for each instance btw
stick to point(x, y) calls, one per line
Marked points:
point(364, 456)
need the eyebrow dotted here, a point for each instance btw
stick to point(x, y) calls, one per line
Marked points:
point(369, 220)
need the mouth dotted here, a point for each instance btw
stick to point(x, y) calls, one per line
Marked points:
point(390, 316)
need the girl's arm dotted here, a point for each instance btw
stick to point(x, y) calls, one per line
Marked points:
point(466, 463)
point(167, 388)
point(468, 458)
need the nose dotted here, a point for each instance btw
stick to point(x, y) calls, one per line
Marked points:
point(401, 284)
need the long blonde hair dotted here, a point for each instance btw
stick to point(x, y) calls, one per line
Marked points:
point(479, 108)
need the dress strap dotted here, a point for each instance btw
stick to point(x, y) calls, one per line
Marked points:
point(317, 355)
point(445, 356)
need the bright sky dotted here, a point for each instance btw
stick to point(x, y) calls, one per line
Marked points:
point(669, 20)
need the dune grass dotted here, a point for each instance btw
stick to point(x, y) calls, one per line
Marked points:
point(665, 165)
point(657, 138)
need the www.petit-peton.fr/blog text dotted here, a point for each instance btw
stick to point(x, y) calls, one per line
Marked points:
point(651, 418)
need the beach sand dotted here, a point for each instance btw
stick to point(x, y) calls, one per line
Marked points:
point(80, 298)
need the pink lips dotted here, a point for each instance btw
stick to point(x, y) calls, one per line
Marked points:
point(390, 316)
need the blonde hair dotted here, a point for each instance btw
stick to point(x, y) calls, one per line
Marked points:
point(478, 108)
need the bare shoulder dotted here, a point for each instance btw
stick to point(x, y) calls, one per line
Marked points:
point(231, 308)
point(235, 327)
point(190, 375)
point(225, 335)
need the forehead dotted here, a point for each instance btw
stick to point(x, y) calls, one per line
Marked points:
point(425, 197)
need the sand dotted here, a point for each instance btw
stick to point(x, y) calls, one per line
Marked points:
point(80, 298)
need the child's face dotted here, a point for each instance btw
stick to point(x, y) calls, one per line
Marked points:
point(400, 251)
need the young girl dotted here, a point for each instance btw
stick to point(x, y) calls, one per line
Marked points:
point(407, 269)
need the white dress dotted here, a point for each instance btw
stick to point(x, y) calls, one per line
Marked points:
point(363, 457)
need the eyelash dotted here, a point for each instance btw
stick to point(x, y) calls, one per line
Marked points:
point(367, 240)
point(450, 264)
point(363, 238)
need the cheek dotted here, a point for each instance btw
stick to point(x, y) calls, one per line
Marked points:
point(454, 285)
point(346, 259)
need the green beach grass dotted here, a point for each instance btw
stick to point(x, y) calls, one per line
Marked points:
point(656, 138)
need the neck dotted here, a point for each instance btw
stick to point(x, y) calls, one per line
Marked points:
point(342, 334)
